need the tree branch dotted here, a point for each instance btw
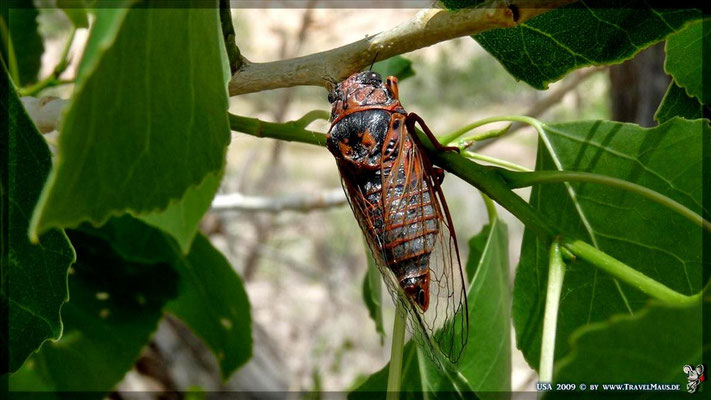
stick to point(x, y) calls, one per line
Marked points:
point(300, 202)
point(428, 27)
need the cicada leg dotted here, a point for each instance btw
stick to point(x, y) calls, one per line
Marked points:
point(410, 123)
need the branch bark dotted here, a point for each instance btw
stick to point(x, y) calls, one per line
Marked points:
point(301, 202)
point(428, 27)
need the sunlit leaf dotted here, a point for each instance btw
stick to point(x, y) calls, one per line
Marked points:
point(182, 217)
point(685, 58)
point(158, 126)
point(643, 234)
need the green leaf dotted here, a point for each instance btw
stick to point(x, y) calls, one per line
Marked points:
point(485, 365)
point(685, 57)
point(398, 66)
point(626, 349)
point(643, 234)
point(211, 300)
point(373, 295)
point(34, 284)
point(75, 14)
point(547, 47)
point(162, 129)
point(115, 307)
point(104, 30)
point(214, 304)
point(677, 103)
point(486, 362)
point(182, 218)
point(26, 42)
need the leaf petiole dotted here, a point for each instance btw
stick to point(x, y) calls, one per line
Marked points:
point(556, 273)
point(523, 179)
point(628, 274)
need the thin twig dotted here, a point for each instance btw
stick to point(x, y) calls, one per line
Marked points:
point(428, 27)
point(301, 202)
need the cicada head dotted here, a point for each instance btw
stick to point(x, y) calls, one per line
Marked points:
point(361, 89)
point(417, 289)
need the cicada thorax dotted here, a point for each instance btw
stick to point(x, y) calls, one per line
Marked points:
point(375, 157)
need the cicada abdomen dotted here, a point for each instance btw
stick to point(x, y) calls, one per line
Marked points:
point(394, 191)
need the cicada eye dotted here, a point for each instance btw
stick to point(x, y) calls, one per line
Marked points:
point(332, 96)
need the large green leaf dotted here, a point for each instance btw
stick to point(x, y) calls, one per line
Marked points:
point(148, 120)
point(115, 306)
point(34, 284)
point(676, 103)
point(685, 57)
point(636, 231)
point(182, 217)
point(26, 42)
point(485, 365)
point(545, 48)
point(211, 298)
point(627, 348)
point(486, 362)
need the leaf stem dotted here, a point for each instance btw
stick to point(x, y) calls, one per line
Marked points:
point(490, 208)
point(452, 136)
point(523, 179)
point(395, 370)
point(11, 58)
point(628, 274)
point(492, 160)
point(556, 273)
point(53, 78)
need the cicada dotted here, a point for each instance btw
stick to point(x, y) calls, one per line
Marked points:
point(395, 193)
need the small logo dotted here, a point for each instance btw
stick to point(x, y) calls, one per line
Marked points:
point(695, 377)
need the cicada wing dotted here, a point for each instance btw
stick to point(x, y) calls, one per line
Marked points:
point(443, 329)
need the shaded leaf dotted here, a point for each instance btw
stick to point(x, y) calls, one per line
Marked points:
point(182, 218)
point(214, 304)
point(677, 103)
point(547, 47)
point(115, 306)
point(398, 66)
point(684, 62)
point(34, 284)
point(373, 295)
point(211, 298)
point(26, 42)
point(162, 130)
point(643, 234)
point(626, 349)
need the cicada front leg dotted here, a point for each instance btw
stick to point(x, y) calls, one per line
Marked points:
point(410, 123)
